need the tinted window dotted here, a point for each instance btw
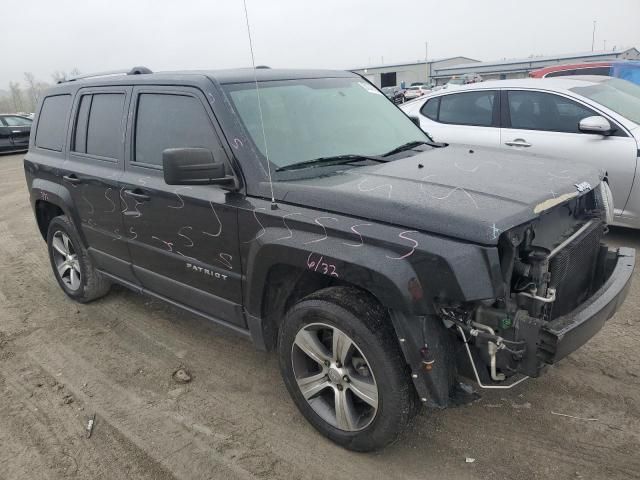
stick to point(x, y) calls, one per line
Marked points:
point(581, 71)
point(170, 121)
point(545, 111)
point(80, 139)
point(104, 129)
point(17, 121)
point(469, 108)
point(52, 122)
point(430, 109)
point(560, 73)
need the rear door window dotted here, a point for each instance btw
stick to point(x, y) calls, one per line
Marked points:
point(52, 122)
point(104, 128)
point(80, 138)
point(468, 108)
point(530, 110)
point(99, 125)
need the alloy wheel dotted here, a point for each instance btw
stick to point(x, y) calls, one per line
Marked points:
point(334, 377)
point(66, 260)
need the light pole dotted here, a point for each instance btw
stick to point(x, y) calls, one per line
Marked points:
point(593, 35)
point(426, 61)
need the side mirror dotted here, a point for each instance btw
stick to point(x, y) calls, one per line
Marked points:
point(416, 120)
point(193, 166)
point(596, 124)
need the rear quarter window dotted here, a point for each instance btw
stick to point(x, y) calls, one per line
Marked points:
point(52, 122)
point(430, 108)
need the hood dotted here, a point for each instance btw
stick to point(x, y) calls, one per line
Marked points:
point(469, 193)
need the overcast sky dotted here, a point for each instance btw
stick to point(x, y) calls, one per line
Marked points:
point(42, 36)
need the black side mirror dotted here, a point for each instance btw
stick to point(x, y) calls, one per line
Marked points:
point(416, 120)
point(193, 166)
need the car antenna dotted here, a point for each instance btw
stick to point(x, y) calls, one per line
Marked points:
point(274, 205)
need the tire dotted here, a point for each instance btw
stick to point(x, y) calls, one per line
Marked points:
point(71, 263)
point(373, 367)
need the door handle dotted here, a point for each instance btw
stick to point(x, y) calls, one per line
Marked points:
point(137, 194)
point(518, 142)
point(16, 131)
point(71, 179)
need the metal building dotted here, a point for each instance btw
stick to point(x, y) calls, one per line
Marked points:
point(392, 75)
point(439, 72)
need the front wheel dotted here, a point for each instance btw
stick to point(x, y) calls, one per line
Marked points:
point(342, 365)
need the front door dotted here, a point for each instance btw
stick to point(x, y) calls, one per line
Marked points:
point(183, 239)
point(547, 124)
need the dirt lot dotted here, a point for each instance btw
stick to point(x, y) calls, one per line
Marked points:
point(61, 362)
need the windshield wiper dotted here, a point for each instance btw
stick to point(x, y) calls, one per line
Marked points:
point(406, 146)
point(328, 161)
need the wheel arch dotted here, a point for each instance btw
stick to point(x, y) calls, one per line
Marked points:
point(280, 275)
point(50, 200)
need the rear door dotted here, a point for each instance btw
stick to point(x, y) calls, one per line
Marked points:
point(464, 118)
point(548, 124)
point(92, 171)
point(183, 239)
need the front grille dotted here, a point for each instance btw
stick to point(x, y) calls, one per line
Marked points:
point(572, 270)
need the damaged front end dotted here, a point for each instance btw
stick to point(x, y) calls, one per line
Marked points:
point(562, 284)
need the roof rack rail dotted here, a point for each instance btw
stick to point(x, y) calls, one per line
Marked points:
point(132, 71)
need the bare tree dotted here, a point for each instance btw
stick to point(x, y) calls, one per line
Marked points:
point(60, 75)
point(33, 91)
point(16, 96)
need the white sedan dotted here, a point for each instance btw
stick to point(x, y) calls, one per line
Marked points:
point(416, 91)
point(590, 119)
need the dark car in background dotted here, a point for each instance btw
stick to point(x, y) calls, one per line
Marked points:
point(14, 133)
point(395, 94)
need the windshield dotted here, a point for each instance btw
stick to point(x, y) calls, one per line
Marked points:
point(618, 95)
point(307, 119)
point(456, 81)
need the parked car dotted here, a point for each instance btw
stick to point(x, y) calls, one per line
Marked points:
point(465, 79)
point(415, 92)
point(323, 224)
point(591, 119)
point(624, 69)
point(14, 133)
point(395, 94)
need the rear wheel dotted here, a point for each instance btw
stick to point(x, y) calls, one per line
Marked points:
point(71, 263)
point(342, 365)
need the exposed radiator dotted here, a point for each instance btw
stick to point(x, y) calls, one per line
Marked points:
point(573, 267)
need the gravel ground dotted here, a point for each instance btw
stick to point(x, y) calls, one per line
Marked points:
point(61, 363)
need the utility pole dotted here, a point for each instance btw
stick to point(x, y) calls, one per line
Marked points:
point(593, 36)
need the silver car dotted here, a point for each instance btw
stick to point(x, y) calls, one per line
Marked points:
point(591, 119)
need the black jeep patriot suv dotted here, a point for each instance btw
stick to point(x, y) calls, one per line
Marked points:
point(305, 211)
